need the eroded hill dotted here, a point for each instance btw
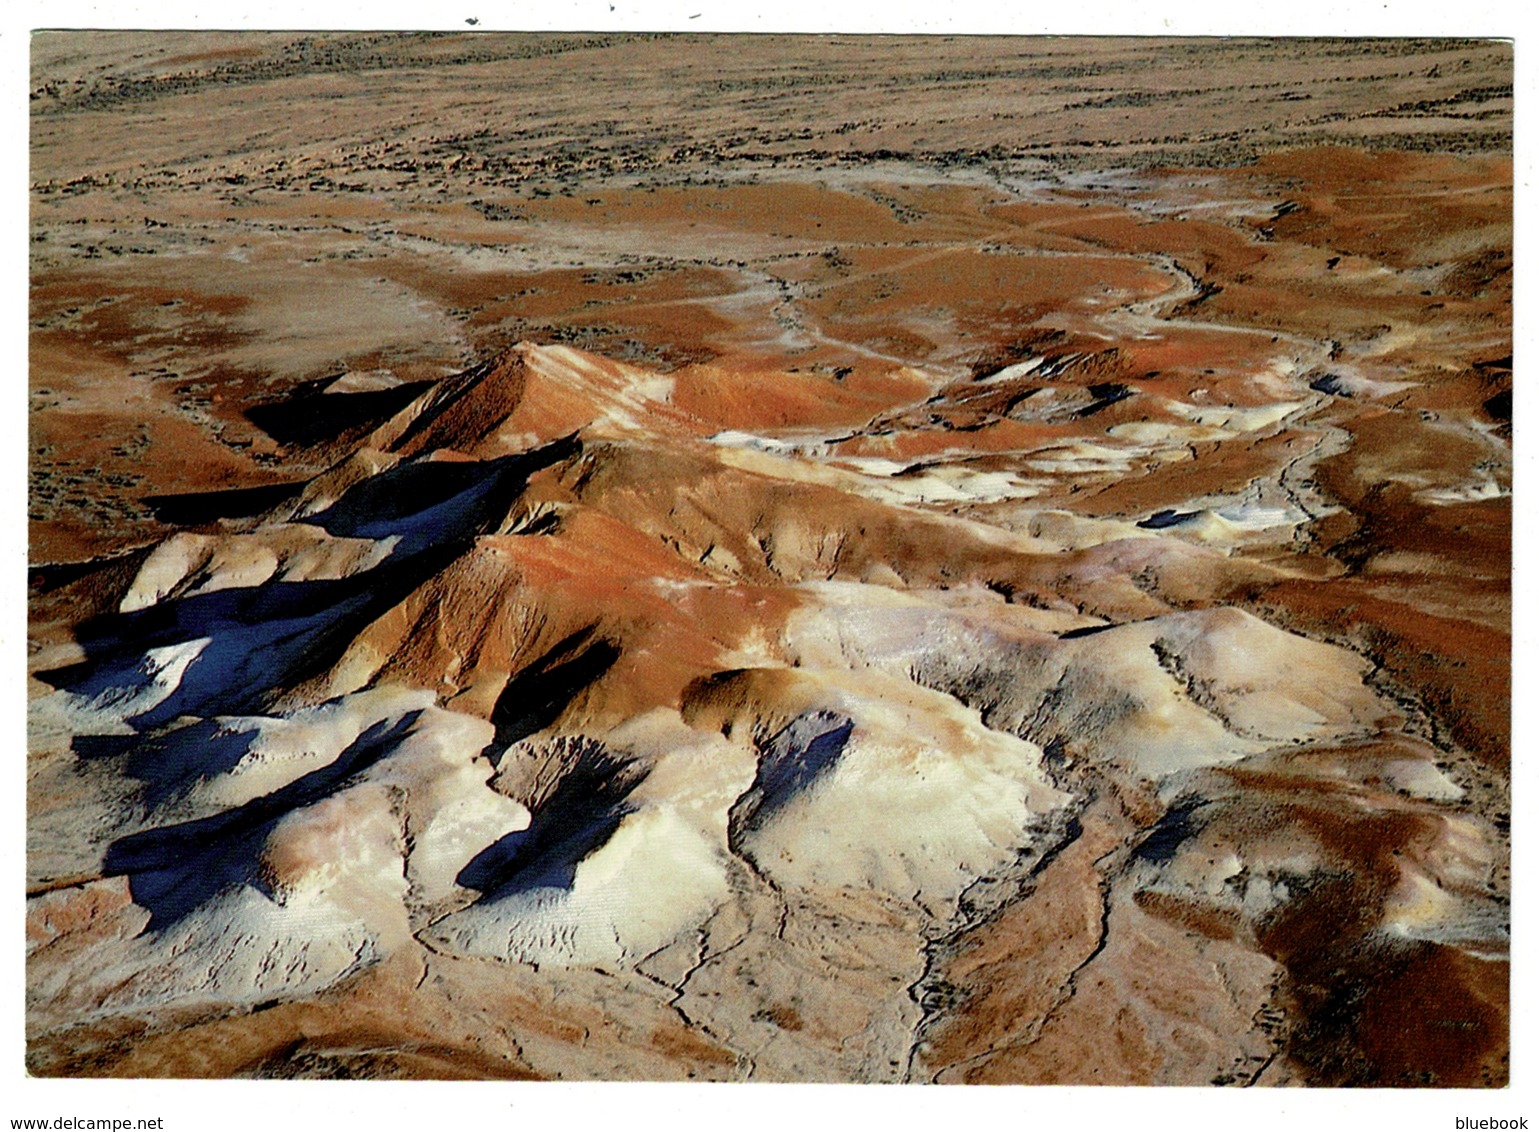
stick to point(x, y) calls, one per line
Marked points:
point(947, 625)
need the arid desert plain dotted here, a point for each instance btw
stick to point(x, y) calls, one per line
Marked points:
point(773, 558)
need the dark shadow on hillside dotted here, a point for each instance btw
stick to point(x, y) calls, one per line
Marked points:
point(259, 640)
point(1165, 518)
point(1168, 834)
point(201, 508)
point(312, 416)
point(175, 869)
point(429, 501)
point(789, 762)
point(46, 577)
point(1106, 394)
point(171, 763)
point(580, 814)
point(536, 696)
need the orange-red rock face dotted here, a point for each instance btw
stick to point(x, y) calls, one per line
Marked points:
point(901, 616)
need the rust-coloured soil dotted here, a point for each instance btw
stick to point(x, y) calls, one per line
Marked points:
point(1054, 335)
